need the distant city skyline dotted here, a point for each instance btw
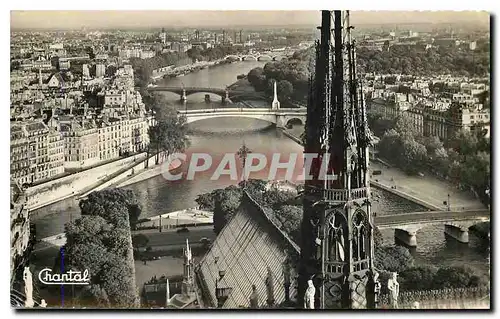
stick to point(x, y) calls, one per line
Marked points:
point(183, 19)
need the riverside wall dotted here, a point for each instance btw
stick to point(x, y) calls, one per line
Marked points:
point(72, 185)
point(134, 174)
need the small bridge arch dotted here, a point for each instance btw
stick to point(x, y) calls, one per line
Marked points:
point(249, 58)
point(294, 121)
point(266, 57)
point(232, 57)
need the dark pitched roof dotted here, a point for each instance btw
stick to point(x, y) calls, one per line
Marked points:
point(246, 247)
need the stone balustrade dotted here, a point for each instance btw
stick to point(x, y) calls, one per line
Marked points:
point(407, 298)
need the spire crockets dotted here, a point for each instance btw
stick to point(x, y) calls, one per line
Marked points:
point(276, 103)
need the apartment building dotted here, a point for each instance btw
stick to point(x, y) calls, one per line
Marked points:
point(444, 124)
point(19, 229)
point(100, 70)
point(36, 152)
point(122, 135)
point(81, 139)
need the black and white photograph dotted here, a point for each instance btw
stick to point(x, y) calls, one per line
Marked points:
point(250, 160)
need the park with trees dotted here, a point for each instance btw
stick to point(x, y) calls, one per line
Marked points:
point(100, 242)
point(464, 159)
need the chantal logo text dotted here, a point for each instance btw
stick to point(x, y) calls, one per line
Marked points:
point(71, 278)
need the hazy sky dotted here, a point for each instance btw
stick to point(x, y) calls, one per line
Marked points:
point(157, 18)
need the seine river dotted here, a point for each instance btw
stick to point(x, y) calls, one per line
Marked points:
point(219, 136)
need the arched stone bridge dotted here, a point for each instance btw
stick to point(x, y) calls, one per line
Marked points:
point(280, 117)
point(257, 56)
point(456, 223)
point(225, 94)
point(189, 90)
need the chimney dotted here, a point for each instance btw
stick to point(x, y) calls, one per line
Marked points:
point(40, 82)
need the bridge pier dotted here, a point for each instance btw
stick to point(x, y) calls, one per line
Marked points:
point(457, 232)
point(407, 237)
point(280, 121)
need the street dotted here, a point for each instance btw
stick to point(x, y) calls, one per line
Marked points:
point(171, 237)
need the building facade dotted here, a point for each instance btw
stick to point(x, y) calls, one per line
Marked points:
point(80, 138)
point(36, 152)
point(19, 229)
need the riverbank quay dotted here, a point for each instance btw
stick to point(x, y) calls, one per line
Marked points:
point(135, 172)
point(72, 185)
point(151, 171)
point(427, 191)
point(172, 71)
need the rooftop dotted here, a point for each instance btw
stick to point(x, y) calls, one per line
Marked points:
point(250, 248)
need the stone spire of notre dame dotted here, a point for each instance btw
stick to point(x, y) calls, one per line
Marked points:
point(337, 227)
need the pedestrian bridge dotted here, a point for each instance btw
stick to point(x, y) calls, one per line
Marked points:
point(280, 117)
point(456, 223)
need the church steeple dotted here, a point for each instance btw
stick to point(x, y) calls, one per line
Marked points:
point(187, 281)
point(337, 230)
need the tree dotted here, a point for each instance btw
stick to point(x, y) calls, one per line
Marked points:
point(110, 71)
point(405, 126)
point(456, 277)
point(256, 77)
point(89, 256)
point(285, 90)
point(418, 278)
point(140, 240)
point(206, 201)
point(390, 144)
point(117, 279)
point(465, 143)
point(432, 144)
point(94, 295)
point(394, 259)
point(226, 203)
point(254, 186)
point(115, 204)
point(377, 237)
point(275, 198)
point(289, 220)
point(169, 135)
point(100, 242)
point(414, 155)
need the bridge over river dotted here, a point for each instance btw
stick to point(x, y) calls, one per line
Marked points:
point(456, 223)
point(281, 117)
point(224, 93)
